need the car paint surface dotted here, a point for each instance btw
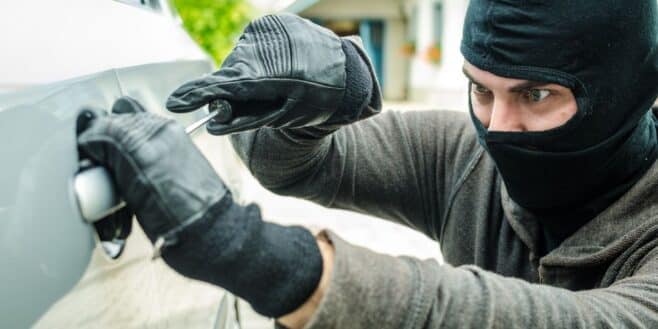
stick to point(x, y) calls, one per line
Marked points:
point(46, 246)
point(50, 41)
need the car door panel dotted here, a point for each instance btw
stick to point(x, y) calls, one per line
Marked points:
point(47, 247)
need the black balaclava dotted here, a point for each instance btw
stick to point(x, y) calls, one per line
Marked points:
point(606, 52)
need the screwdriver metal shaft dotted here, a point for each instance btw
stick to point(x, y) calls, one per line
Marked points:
point(220, 110)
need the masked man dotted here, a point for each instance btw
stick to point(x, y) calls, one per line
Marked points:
point(546, 212)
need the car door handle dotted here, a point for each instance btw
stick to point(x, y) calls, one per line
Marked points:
point(94, 189)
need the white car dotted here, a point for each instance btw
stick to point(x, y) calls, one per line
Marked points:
point(58, 57)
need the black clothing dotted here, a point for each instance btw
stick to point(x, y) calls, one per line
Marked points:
point(606, 52)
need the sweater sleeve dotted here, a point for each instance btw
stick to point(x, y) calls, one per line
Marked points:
point(401, 166)
point(370, 290)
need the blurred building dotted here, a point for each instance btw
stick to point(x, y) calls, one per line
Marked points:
point(414, 44)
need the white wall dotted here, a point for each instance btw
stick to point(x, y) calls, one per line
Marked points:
point(451, 82)
point(442, 85)
point(395, 65)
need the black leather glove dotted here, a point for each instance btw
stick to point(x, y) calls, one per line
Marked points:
point(286, 72)
point(179, 199)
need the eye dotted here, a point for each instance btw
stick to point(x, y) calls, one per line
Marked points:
point(479, 89)
point(536, 95)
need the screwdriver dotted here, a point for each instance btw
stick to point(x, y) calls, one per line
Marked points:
point(220, 110)
point(94, 188)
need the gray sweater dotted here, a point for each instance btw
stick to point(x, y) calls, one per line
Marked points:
point(426, 170)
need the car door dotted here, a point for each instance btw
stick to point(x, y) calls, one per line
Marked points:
point(54, 274)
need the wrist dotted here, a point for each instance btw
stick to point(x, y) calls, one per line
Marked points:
point(274, 268)
point(361, 87)
point(301, 316)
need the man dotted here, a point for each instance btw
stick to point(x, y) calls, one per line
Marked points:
point(547, 211)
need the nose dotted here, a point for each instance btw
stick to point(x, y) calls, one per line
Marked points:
point(505, 116)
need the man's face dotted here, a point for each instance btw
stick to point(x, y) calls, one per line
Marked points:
point(511, 105)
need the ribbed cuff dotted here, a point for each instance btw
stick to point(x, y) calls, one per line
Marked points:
point(358, 86)
point(275, 268)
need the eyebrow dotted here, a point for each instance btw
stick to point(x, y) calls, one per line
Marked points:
point(525, 85)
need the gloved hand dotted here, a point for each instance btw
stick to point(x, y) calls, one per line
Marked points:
point(178, 198)
point(286, 72)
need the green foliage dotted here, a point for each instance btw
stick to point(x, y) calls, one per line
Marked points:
point(215, 24)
